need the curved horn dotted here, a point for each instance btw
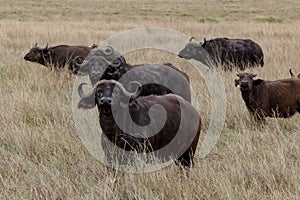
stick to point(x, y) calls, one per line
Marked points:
point(204, 41)
point(117, 84)
point(138, 90)
point(237, 74)
point(291, 73)
point(75, 62)
point(116, 63)
point(120, 86)
point(36, 44)
point(191, 39)
point(46, 47)
point(122, 59)
point(253, 75)
point(108, 50)
point(80, 90)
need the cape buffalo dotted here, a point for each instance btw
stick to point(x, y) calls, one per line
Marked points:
point(93, 63)
point(58, 56)
point(112, 100)
point(155, 78)
point(229, 53)
point(108, 52)
point(280, 98)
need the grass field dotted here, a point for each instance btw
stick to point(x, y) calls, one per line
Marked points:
point(41, 156)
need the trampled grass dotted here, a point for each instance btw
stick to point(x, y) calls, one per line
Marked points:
point(41, 156)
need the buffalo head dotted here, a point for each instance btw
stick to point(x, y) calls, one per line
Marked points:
point(108, 52)
point(192, 49)
point(37, 54)
point(98, 60)
point(96, 66)
point(245, 81)
point(105, 93)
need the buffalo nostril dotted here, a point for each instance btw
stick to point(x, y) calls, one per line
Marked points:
point(95, 74)
point(105, 100)
point(244, 82)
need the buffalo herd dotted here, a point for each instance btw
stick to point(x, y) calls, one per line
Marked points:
point(132, 91)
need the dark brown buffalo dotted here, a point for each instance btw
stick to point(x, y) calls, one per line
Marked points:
point(292, 74)
point(109, 64)
point(111, 97)
point(229, 53)
point(280, 98)
point(58, 56)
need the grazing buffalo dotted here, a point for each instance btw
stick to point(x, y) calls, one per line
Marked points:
point(229, 53)
point(181, 127)
point(280, 98)
point(58, 56)
point(292, 74)
point(155, 77)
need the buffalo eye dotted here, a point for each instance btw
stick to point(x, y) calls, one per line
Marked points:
point(99, 92)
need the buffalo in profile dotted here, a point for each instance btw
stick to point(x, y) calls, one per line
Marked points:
point(229, 53)
point(58, 56)
point(115, 102)
point(109, 64)
point(280, 98)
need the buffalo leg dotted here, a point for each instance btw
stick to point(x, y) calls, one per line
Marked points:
point(186, 159)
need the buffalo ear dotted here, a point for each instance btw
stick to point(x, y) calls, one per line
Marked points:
point(87, 102)
point(236, 82)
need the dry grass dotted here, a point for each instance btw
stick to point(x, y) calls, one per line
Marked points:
point(41, 157)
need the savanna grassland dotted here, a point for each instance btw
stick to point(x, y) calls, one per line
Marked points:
point(42, 157)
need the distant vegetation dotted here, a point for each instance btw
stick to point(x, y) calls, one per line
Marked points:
point(269, 20)
point(208, 20)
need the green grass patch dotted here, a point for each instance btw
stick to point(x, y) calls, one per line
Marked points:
point(208, 20)
point(269, 20)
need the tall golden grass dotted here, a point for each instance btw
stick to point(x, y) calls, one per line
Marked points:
point(41, 157)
